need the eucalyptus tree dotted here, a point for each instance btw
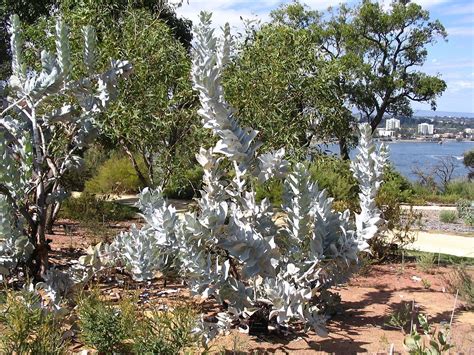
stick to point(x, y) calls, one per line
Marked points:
point(47, 119)
point(386, 49)
point(154, 118)
point(279, 84)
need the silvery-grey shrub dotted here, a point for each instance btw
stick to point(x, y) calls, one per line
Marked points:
point(47, 119)
point(231, 249)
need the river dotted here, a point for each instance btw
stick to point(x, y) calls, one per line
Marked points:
point(407, 155)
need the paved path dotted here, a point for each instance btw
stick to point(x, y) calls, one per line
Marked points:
point(443, 243)
point(430, 208)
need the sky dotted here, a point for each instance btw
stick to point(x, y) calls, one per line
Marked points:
point(453, 60)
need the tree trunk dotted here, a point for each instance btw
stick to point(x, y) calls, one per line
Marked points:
point(343, 148)
point(52, 216)
point(140, 175)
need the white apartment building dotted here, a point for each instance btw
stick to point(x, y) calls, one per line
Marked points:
point(392, 124)
point(425, 129)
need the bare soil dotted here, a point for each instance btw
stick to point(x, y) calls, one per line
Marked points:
point(360, 326)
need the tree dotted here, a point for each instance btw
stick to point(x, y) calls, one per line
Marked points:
point(48, 118)
point(154, 118)
point(278, 84)
point(388, 47)
point(155, 113)
point(469, 162)
point(378, 52)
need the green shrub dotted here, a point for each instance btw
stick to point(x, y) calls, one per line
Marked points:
point(447, 216)
point(90, 208)
point(465, 209)
point(128, 328)
point(334, 175)
point(167, 332)
point(184, 185)
point(94, 158)
point(27, 328)
point(426, 262)
point(395, 187)
point(271, 189)
point(117, 176)
point(461, 188)
point(102, 325)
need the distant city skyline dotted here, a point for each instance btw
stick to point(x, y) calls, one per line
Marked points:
point(454, 59)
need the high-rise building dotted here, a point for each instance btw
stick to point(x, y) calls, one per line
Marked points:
point(425, 129)
point(392, 124)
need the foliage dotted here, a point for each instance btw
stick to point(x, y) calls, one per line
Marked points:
point(384, 45)
point(184, 185)
point(153, 119)
point(395, 187)
point(127, 327)
point(271, 189)
point(166, 332)
point(27, 327)
point(49, 118)
point(465, 209)
point(334, 175)
point(279, 84)
point(468, 161)
point(447, 216)
point(426, 262)
point(102, 325)
point(230, 249)
point(94, 157)
point(88, 207)
point(399, 319)
point(115, 176)
point(438, 340)
point(461, 280)
point(28, 12)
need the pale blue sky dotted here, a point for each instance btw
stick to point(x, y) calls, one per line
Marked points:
point(454, 59)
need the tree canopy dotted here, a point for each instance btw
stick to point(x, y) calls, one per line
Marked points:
point(304, 74)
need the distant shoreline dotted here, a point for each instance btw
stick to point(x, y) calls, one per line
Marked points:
point(446, 140)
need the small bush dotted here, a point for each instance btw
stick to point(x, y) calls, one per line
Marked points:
point(461, 280)
point(94, 158)
point(447, 216)
point(465, 209)
point(166, 332)
point(27, 328)
point(127, 328)
point(335, 176)
point(395, 187)
point(117, 176)
point(101, 325)
point(400, 319)
point(89, 208)
point(426, 262)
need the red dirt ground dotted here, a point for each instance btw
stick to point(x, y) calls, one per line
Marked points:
point(360, 328)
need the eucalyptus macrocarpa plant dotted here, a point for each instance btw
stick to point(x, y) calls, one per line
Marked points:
point(46, 120)
point(231, 249)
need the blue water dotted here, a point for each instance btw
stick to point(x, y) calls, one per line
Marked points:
point(407, 155)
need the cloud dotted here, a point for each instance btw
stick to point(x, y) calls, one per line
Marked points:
point(459, 9)
point(461, 31)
